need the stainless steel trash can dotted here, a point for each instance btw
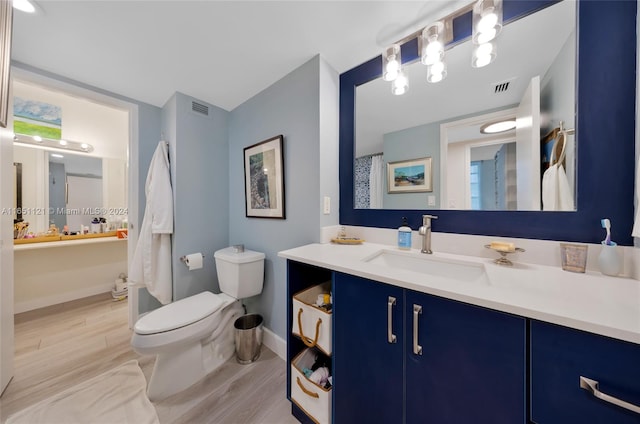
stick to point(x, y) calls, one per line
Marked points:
point(248, 338)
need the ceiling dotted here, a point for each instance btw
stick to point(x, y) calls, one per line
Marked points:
point(220, 52)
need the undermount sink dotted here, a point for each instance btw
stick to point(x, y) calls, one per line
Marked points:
point(454, 269)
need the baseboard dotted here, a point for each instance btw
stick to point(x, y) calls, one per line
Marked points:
point(274, 342)
point(42, 302)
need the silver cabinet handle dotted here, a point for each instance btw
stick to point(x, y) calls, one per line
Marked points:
point(592, 387)
point(391, 302)
point(417, 310)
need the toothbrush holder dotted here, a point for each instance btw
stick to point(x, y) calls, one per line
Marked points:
point(610, 259)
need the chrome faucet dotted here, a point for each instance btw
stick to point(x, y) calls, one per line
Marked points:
point(425, 232)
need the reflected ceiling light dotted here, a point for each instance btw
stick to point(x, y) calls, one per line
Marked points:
point(487, 20)
point(400, 85)
point(483, 54)
point(24, 6)
point(432, 50)
point(48, 143)
point(498, 127)
point(56, 155)
point(391, 63)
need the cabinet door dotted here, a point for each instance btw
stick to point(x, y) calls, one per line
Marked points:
point(468, 365)
point(367, 368)
point(560, 356)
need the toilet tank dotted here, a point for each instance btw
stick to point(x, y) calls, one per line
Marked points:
point(240, 274)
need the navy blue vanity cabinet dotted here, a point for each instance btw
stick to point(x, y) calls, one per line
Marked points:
point(560, 356)
point(464, 364)
point(368, 351)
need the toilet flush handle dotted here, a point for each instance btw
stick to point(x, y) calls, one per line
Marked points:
point(238, 248)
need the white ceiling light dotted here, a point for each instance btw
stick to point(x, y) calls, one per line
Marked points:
point(391, 63)
point(498, 127)
point(400, 85)
point(24, 6)
point(487, 20)
point(486, 25)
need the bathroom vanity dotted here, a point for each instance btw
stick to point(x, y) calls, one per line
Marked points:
point(467, 340)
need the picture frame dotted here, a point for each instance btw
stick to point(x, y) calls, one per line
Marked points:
point(264, 179)
point(410, 176)
point(6, 23)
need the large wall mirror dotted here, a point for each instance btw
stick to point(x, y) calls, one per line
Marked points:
point(550, 45)
point(471, 169)
point(69, 190)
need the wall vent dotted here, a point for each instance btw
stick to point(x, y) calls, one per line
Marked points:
point(200, 108)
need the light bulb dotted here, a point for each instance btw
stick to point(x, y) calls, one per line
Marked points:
point(487, 36)
point(400, 85)
point(488, 21)
point(391, 63)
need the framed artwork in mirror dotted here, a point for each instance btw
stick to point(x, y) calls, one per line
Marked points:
point(409, 176)
point(264, 179)
point(6, 19)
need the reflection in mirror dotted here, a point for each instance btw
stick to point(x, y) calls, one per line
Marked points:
point(66, 189)
point(443, 121)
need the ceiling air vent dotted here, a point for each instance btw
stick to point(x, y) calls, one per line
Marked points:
point(200, 108)
point(501, 87)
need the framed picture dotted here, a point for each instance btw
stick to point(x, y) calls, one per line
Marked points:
point(6, 19)
point(264, 179)
point(409, 176)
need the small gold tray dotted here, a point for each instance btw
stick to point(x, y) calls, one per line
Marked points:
point(347, 240)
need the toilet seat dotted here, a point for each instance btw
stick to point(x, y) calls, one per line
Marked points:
point(180, 313)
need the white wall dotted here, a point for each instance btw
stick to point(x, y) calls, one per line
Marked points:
point(104, 127)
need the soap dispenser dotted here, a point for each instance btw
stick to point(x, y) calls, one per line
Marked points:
point(404, 235)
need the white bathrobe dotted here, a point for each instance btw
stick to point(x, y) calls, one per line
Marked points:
point(151, 265)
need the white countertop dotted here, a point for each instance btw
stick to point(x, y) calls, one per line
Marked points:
point(65, 243)
point(592, 302)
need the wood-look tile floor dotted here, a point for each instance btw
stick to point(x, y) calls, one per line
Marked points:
point(60, 346)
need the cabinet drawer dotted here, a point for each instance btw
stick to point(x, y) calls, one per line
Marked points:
point(560, 356)
point(310, 322)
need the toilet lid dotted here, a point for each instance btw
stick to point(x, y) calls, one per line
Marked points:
point(179, 313)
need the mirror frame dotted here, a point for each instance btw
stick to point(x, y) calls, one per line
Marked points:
point(605, 128)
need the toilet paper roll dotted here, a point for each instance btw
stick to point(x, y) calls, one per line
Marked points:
point(120, 285)
point(193, 261)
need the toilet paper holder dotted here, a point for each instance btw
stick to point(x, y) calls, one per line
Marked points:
point(184, 258)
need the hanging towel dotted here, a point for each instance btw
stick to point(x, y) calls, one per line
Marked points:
point(556, 191)
point(151, 264)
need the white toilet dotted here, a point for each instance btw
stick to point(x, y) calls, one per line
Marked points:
point(193, 336)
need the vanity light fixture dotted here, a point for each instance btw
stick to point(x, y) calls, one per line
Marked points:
point(486, 21)
point(391, 62)
point(60, 145)
point(486, 25)
point(498, 127)
point(432, 51)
